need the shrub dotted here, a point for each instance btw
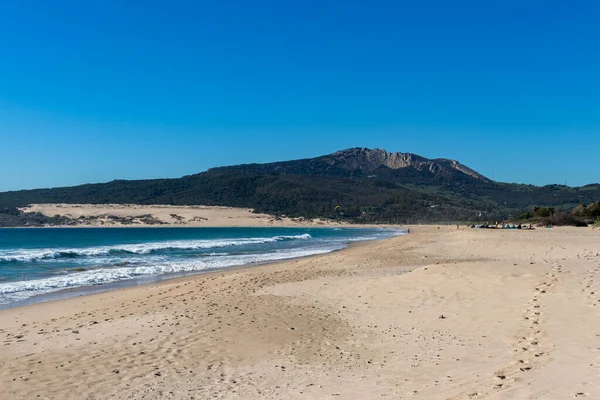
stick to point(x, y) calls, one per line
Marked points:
point(563, 219)
point(543, 212)
point(526, 216)
point(590, 211)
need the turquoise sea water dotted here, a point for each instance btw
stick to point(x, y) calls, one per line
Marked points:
point(36, 262)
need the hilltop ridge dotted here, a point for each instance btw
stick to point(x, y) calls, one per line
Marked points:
point(363, 161)
point(356, 184)
point(369, 160)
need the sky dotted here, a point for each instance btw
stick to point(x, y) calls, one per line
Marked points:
point(96, 91)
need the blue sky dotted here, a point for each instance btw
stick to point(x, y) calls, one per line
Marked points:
point(93, 91)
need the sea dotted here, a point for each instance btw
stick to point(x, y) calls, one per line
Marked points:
point(42, 264)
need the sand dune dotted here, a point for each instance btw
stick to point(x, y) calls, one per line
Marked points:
point(438, 314)
point(117, 215)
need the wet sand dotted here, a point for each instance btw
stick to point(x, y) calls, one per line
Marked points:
point(438, 314)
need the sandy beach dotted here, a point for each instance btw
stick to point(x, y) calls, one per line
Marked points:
point(438, 314)
point(133, 215)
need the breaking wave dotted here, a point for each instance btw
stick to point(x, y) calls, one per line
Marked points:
point(14, 291)
point(33, 255)
point(29, 272)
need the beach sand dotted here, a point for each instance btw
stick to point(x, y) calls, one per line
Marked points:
point(113, 215)
point(437, 314)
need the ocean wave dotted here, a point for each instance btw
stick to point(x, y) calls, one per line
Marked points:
point(69, 268)
point(14, 291)
point(33, 255)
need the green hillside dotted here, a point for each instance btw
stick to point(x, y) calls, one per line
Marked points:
point(361, 185)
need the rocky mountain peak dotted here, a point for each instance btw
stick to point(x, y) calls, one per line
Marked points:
point(368, 160)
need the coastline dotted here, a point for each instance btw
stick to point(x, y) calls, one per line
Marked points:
point(86, 290)
point(165, 279)
point(440, 313)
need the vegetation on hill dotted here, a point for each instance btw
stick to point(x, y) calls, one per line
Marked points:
point(12, 217)
point(358, 185)
point(591, 211)
point(563, 218)
point(582, 215)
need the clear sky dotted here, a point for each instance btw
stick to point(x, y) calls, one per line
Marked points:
point(91, 91)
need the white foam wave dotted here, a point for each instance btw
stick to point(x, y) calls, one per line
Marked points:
point(32, 255)
point(158, 263)
point(15, 291)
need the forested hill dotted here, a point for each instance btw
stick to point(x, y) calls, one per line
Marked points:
point(355, 184)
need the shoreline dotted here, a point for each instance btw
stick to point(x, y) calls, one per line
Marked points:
point(132, 284)
point(142, 280)
point(437, 314)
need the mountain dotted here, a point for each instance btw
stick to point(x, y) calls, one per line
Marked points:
point(354, 184)
point(361, 162)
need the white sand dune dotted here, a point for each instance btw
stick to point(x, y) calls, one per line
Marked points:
point(166, 215)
